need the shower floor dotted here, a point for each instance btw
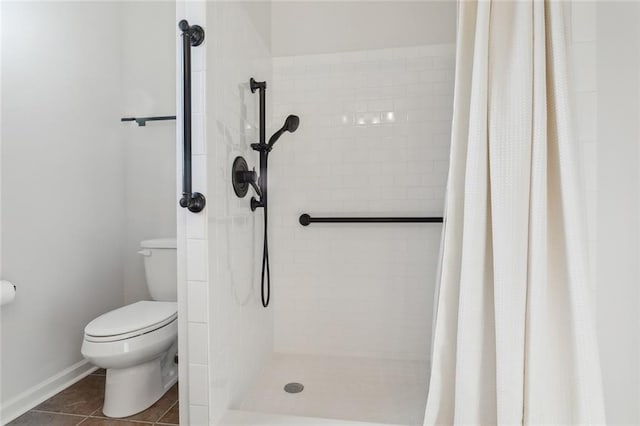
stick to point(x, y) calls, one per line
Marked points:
point(347, 388)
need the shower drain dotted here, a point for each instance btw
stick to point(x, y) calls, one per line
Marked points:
point(293, 387)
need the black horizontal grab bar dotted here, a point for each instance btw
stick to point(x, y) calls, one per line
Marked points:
point(142, 121)
point(305, 219)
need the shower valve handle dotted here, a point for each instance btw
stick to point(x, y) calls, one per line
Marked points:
point(250, 177)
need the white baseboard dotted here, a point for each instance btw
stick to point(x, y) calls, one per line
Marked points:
point(44, 390)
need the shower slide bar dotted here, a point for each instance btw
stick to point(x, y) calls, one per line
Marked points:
point(305, 219)
point(142, 121)
point(192, 35)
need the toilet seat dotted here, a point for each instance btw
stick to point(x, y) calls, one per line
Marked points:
point(130, 321)
point(119, 352)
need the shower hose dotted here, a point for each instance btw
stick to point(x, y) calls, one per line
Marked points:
point(265, 284)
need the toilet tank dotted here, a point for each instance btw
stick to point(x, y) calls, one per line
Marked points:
point(160, 268)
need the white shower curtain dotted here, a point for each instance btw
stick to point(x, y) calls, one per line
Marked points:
point(514, 335)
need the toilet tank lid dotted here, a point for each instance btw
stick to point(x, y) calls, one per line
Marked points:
point(131, 318)
point(166, 243)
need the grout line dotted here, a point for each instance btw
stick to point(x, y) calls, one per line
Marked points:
point(85, 417)
point(59, 412)
point(168, 409)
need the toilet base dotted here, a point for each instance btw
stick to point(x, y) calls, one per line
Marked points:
point(134, 389)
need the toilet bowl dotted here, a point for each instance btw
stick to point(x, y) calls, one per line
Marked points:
point(137, 344)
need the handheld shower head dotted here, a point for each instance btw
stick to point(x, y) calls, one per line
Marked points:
point(290, 125)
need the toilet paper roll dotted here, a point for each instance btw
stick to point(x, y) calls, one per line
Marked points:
point(7, 292)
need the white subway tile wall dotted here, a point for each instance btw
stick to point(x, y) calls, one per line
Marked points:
point(373, 141)
point(198, 343)
point(193, 250)
point(198, 384)
point(199, 415)
point(583, 21)
point(196, 259)
point(198, 301)
point(241, 330)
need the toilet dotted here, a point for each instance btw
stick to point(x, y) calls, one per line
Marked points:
point(138, 343)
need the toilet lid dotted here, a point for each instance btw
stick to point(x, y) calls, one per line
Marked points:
point(137, 318)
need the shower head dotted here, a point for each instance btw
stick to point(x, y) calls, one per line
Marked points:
point(290, 125)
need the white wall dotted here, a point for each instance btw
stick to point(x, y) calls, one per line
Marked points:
point(606, 68)
point(241, 333)
point(62, 176)
point(148, 81)
point(618, 68)
point(301, 28)
point(98, 186)
point(373, 141)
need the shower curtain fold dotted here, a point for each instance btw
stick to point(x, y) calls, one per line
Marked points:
point(514, 333)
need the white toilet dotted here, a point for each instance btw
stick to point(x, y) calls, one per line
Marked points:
point(137, 344)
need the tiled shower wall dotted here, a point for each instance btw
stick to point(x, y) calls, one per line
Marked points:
point(226, 334)
point(605, 53)
point(241, 331)
point(193, 273)
point(373, 141)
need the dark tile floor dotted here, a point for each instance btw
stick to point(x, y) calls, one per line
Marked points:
point(81, 404)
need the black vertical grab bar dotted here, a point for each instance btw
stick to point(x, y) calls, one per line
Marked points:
point(192, 35)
